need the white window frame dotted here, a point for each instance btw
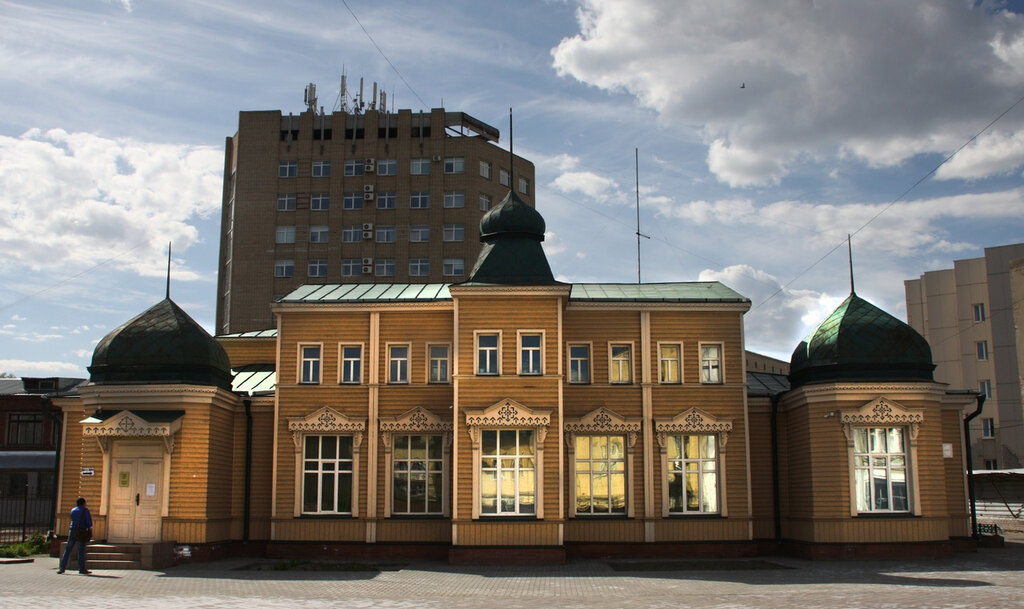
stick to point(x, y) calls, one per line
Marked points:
point(991, 464)
point(419, 166)
point(455, 164)
point(453, 267)
point(352, 201)
point(419, 233)
point(706, 466)
point(419, 267)
point(612, 363)
point(570, 360)
point(386, 233)
point(319, 233)
point(979, 312)
point(485, 170)
point(286, 201)
point(985, 387)
point(477, 350)
point(284, 235)
point(323, 422)
point(352, 233)
point(430, 359)
point(485, 201)
point(288, 169)
point(521, 351)
point(302, 363)
point(353, 265)
point(320, 201)
point(336, 470)
point(524, 186)
point(345, 363)
point(988, 428)
point(284, 268)
point(454, 199)
point(703, 367)
point(677, 368)
point(316, 267)
point(387, 200)
point(694, 421)
point(416, 422)
point(981, 347)
point(321, 169)
point(454, 233)
point(419, 199)
point(503, 177)
point(392, 359)
point(601, 422)
point(381, 266)
point(354, 167)
point(387, 167)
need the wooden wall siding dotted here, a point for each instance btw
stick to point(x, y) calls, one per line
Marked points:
point(606, 531)
point(762, 494)
point(867, 530)
point(508, 315)
point(325, 530)
point(190, 466)
point(242, 352)
point(956, 495)
point(796, 461)
point(329, 328)
point(415, 531)
point(222, 452)
point(601, 328)
point(396, 400)
point(701, 529)
point(182, 530)
point(764, 528)
point(625, 400)
point(498, 533)
point(691, 329)
point(418, 329)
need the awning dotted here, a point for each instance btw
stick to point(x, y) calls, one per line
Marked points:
point(27, 460)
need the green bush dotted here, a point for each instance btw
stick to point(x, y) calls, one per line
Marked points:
point(36, 544)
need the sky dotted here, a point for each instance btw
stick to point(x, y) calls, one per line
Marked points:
point(763, 132)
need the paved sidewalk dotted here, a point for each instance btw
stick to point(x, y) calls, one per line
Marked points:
point(990, 578)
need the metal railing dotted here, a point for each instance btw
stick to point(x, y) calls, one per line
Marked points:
point(23, 516)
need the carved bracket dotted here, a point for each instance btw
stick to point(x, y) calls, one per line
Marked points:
point(881, 412)
point(325, 421)
point(506, 414)
point(127, 424)
point(417, 420)
point(693, 421)
point(602, 421)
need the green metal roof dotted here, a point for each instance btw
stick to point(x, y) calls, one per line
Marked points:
point(690, 291)
point(259, 379)
point(369, 292)
point(268, 333)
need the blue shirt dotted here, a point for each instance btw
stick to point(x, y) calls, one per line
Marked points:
point(81, 518)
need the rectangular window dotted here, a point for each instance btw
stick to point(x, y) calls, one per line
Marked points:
point(982, 346)
point(670, 363)
point(318, 234)
point(692, 474)
point(524, 186)
point(530, 350)
point(351, 267)
point(352, 200)
point(398, 363)
point(418, 469)
point(419, 234)
point(320, 201)
point(454, 199)
point(384, 267)
point(487, 354)
point(354, 167)
point(327, 475)
point(310, 364)
point(455, 232)
point(455, 164)
point(353, 233)
point(985, 388)
point(503, 177)
point(419, 267)
point(711, 363)
point(508, 472)
point(284, 268)
point(385, 234)
point(419, 199)
point(321, 169)
point(285, 234)
point(979, 311)
point(387, 200)
point(485, 202)
point(485, 170)
point(600, 474)
point(351, 364)
point(988, 428)
point(991, 464)
point(387, 167)
point(621, 364)
point(24, 429)
point(420, 166)
point(880, 470)
point(438, 363)
point(579, 363)
point(286, 202)
point(317, 267)
point(453, 267)
point(288, 169)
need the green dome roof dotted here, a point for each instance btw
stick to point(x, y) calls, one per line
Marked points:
point(512, 217)
point(161, 345)
point(512, 253)
point(859, 341)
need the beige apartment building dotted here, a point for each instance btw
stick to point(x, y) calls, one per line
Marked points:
point(971, 315)
point(354, 197)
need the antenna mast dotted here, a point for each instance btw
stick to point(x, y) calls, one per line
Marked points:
point(168, 295)
point(511, 157)
point(849, 250)
point(636, 168)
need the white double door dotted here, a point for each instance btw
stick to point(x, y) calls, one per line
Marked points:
point(136, 501)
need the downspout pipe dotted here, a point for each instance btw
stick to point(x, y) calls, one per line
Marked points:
point(247, 502)
point(775, 467)
point(970, 464)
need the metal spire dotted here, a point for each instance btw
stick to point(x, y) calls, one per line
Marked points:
point(849, 249)
point(168, 295)
point(511, 157)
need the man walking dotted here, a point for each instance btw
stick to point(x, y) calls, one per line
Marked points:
point(80, 533)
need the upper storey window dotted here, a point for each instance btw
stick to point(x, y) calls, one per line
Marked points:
point(288, 169)
point(487, 356)
point(321, 169)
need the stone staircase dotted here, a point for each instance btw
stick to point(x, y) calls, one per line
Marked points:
point(104, 556)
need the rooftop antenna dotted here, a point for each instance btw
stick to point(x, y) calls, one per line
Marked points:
point(511, 156)
point(849, 249)
point(310, 97)
point(636, 166)
point(344, 90)
point(168, 294)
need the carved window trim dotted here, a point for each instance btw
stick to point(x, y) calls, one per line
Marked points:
point(508, 414)
point(127, 424)
point(690, 422)
point(602, 422)
point(417, 421)
point(326, 421)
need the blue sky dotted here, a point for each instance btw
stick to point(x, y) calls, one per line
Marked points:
point(767, 131)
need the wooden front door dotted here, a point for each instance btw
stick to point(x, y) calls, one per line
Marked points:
point(136, 487)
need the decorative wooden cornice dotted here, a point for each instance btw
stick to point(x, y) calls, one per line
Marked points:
point(694, 421)
point(325, 421)
point(881, 412)
point(602, 421)
point(127, 424)
point(505, 414)
point(417, 420)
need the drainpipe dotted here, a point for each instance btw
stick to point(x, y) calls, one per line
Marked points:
point(248, 467)
point(775, 466)
point(970, 464)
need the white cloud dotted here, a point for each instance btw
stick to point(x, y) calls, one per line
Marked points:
point(17, 317)
point(552, 244)
point(990, 154)
point(881, 81)
point(35, 337)
point(20, 367)
point(597, 188)
point(98, 198)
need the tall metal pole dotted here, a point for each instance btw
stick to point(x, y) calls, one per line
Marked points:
point(636, 169)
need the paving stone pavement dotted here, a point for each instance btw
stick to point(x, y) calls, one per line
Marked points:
point(990, 578)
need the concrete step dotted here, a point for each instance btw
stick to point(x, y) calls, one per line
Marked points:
point(107, 556)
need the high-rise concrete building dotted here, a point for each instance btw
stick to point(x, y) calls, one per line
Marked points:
point(968, 314)
point(354, 197)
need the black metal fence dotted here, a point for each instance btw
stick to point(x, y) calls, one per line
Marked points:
point(22, 516)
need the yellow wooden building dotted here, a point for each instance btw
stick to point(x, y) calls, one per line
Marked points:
point(515, 418)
